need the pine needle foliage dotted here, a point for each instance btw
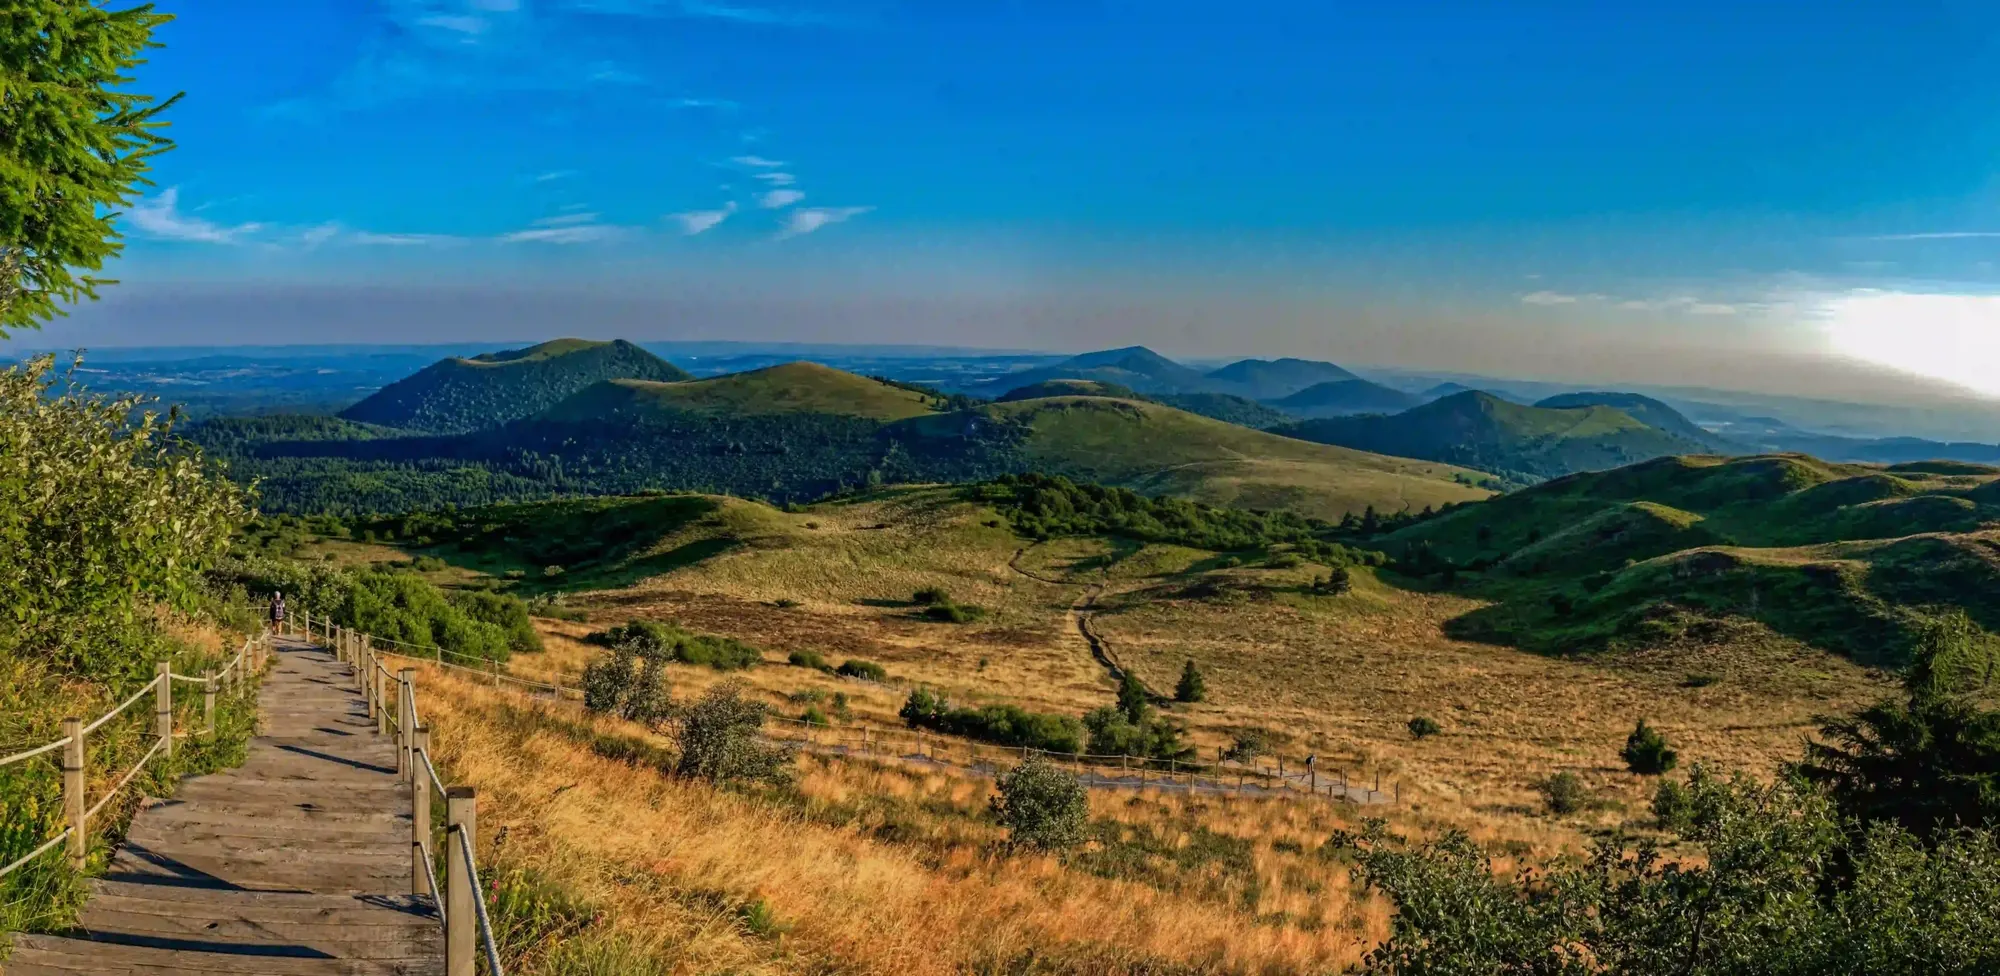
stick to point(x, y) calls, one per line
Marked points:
point(75, 146)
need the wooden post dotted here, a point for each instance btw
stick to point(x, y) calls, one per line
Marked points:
point(376, 709)
point(74, 805)
point(420, 820)
point(163, 708)
point(1313, 775)
point(461, 931)
point(406, 744)
point(208, 705)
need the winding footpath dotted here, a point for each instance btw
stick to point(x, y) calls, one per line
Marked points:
point(297, 863)
point(1080, 614)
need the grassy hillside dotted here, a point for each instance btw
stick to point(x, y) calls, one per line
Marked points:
point(1226, 407)
point(1648, 411)
point(1068, 387)
point(1845, 558)
point(1156, 449)
point(1343, 397)
point(791, 388)
point(464, 394)
point(1482, 431)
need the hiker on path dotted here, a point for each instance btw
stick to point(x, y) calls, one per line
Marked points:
point(277, 611)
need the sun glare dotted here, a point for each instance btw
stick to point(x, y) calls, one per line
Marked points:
point(1955, 338)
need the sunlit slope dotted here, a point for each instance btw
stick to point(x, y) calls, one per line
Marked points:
point(790, 388)
point(1160, 450)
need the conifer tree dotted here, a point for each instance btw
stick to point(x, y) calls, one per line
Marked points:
point(74, 147)
point(1191, 688)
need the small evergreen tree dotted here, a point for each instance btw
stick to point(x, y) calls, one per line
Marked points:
point(1132, 699)
point(1424, 728)
point(1646, 751)
point(1192, 688)
point(1042, 806)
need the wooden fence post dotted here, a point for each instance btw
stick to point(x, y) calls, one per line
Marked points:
point(377, 686)
point(74, 805)
point(208, 704)
point(420, 821)
point(461, 930)
point(406, 684)
point(163, 708)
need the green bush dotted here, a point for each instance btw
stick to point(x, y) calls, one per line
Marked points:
point(1248, 744)
point(1646, 751)
point(1564, 793)
point(719, 741)
point(955, 613)
point(864, 670)
point(1192, 687)
point(1042, 806)
point(1007, 725)
point(651, 638)
point(1424, 728)
point(1114, 733)
point(1775, 880)
point(930, 596)
point(1284, 560)
point(808, 659)
point(1337, 581)
point(471, 627)
point(813, 716)
point(613, 685)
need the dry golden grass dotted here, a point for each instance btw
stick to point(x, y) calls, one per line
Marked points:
point(877, 868)
point(1333, 676)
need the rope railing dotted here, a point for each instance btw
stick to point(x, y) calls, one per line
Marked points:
point(461, 907)
point(78, 813)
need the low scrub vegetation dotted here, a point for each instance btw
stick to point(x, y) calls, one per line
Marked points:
point(1007, 725)
point(401, 606)
point(1042, 806)
point(669, 642)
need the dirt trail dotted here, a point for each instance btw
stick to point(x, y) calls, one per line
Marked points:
point(1080, 614)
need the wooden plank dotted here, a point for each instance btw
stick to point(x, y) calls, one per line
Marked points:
point(297, 863)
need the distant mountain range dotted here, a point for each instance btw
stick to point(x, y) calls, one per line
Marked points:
point(463, 433)
point(581, 416)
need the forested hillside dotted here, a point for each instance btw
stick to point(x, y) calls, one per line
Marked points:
point(463, 394)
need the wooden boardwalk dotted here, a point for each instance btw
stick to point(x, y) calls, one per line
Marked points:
point(297, 863)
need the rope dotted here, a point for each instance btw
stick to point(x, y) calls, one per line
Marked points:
point(430, 871)
point(37, 852)
point(106, 717)
point(134, 771)
point(32, 753)
point(479, 905)
point(436, 783)
point(190, 678)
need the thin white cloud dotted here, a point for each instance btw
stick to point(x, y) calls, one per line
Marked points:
point(1548, 298)
point(805, 220)
point(335, 233)
point(1943, 235)
point(570, 234)
point(778, 179)
point(757, 161)
point(160, 217)
point(779, 198)
point(567, 220)
point(701, 221)
point(554, 175)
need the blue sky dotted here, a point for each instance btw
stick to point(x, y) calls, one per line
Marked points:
point(1634, 190)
